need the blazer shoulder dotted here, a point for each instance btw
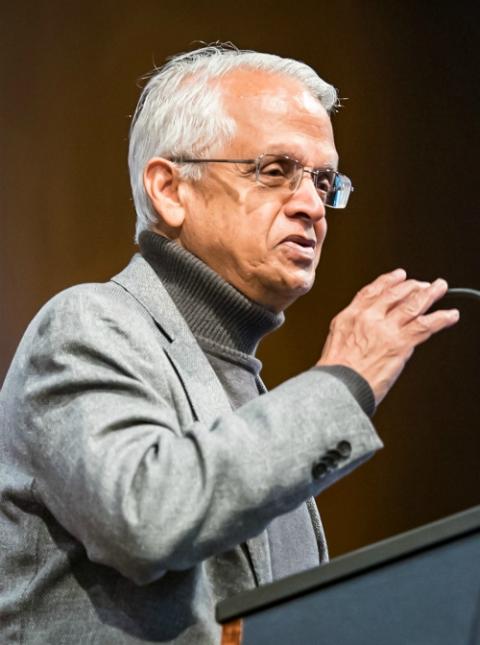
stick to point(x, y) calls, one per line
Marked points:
point(90, 317)
point(111, 298)
point(90, 304)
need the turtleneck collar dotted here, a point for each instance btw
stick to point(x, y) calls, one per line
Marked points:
point(213, 309)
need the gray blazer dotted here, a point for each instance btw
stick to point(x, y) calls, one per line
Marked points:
point(129, 487)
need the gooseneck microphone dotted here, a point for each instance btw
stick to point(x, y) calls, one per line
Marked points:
point(472, 294)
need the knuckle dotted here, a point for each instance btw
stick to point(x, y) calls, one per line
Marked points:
point(335, 323)
point(345, 316)
point(412, 305)
point(370, 318)
point(370, 291)
point(400, 290)
point(422, 329)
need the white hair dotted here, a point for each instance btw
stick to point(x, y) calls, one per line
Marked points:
point(178, 118)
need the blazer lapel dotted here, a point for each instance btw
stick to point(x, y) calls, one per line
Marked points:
point(203, 389)
point(208, 399)
point(205, 393)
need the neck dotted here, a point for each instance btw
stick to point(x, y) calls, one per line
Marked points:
point(213, 308)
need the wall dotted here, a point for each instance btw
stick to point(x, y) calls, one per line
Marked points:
point(408, 136)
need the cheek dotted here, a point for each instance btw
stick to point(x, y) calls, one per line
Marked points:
point(321, 231)
point(206, 221)
point(218, 231)
point(239, 227)
point(264, 217)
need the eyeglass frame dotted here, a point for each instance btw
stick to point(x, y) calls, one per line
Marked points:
point(314, 173)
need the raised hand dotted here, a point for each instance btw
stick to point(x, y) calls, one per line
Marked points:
point(377, 333)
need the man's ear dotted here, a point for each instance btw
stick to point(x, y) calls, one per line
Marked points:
point(161, 183)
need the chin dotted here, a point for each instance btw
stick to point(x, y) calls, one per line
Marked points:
point(277, 290)
point(302, 282)
point(289, 291)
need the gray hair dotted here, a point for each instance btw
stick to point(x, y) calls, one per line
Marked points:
point(178, 118)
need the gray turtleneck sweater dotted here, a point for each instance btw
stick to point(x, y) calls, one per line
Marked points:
point(228, 327)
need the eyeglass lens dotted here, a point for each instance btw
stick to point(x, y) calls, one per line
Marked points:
point(282, 171)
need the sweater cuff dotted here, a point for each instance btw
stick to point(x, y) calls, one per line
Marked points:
point(359, 387)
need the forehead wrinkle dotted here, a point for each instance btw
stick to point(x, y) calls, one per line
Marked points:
point(267, 92)
point(274, 113)
point(262, 86)
point(296, 152)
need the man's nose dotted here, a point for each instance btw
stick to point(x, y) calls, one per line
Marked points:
point(306, 201)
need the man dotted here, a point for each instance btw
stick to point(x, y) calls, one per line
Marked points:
point(143, 478)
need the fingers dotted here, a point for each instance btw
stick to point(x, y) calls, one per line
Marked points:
point(377, 333)
point(400, 292)
point(417, 299)
point(424, 326)
point(404, 300)
point(371, 291)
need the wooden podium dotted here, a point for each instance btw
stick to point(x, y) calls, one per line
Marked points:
point(418, 588)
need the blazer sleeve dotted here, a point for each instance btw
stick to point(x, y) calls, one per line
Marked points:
point(100, 430)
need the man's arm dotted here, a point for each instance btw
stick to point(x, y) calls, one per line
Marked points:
point(96, 410)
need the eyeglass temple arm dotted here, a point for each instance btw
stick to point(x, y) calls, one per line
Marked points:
point(186, 160)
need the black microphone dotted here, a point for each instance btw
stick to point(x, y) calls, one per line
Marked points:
point(472, 294)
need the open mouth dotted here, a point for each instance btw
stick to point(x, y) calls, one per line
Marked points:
point(304, 242)
point(301, 249)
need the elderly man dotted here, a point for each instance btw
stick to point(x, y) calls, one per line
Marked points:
point(143, 477)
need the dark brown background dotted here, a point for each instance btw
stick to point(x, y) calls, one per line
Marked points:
point(408, 136)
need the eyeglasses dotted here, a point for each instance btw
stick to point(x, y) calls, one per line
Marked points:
point(282, 171)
